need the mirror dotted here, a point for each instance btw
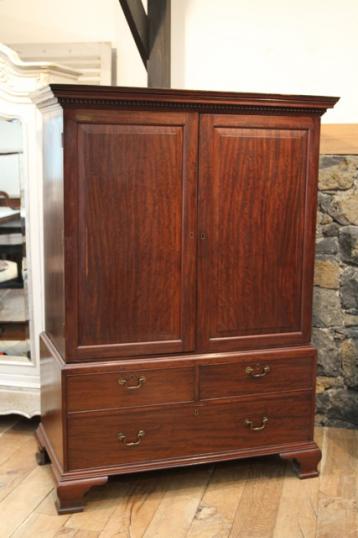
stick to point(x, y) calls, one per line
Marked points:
point(14, 317)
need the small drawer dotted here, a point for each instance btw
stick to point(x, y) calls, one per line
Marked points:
point(129, 388)
point(245, 376)
point(14, 330)
point(148, 435)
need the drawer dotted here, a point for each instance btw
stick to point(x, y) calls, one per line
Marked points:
point(246, 376)
point(129, 388)
point(100, 440)
point(14, 330)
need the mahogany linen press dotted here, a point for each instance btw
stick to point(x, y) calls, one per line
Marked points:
point(179, 231)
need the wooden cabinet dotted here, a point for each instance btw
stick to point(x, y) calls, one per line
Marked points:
point(179, 246)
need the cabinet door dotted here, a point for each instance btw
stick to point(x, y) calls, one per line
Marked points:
point(131, 192)
point(257, 205)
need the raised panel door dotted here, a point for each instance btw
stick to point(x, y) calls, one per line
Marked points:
point(257, 203)
point(132, 179)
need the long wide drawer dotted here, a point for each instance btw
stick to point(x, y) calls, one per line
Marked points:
point(250, 375)
point(103, 439)
point(129, 388)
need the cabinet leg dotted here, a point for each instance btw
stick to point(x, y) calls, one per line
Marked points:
point(305, 461)
point(70, 493)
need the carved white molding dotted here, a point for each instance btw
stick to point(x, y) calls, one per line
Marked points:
point(22, 401)
point(20, 381)
point(92, 59)
point(19, 79)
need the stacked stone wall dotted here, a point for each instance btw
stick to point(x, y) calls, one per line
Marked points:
point(335, 310)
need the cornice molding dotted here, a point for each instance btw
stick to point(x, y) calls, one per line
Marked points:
point(200, 101)
point(44, 98)
point(173, 105)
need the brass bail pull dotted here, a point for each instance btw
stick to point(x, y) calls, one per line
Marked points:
point(122, 438)
point(258, 371)
point(124, 382)
point(250, 424)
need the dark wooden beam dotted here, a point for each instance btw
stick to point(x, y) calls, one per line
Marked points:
point(152, 36)
point(158, 65)
point(138, 23)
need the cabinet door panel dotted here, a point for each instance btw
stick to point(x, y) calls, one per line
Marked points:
point(256, 216)
point(136, 206)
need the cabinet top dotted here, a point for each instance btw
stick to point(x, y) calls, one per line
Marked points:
point(195, 100)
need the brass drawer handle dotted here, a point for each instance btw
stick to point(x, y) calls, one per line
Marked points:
point(140, 381)
point(255, 372)
point(122, 438)
point(253, 428)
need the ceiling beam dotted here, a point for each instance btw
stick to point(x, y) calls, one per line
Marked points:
point(151, 34)
point(158, 65)
point(138, 23)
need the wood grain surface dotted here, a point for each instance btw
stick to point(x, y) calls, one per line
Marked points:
point(204, 429)
point(130, 388)
point(131, 234)
point(250, 376)
point(257, 200)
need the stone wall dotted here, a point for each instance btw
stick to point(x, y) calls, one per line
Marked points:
point(335, 310)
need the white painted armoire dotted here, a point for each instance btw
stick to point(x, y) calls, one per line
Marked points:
point(19, 376)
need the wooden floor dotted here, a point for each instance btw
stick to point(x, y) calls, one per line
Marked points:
point(258, 498)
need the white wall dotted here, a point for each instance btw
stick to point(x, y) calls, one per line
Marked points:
point(278, 46)
point(34, 21)
point(283, 46)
